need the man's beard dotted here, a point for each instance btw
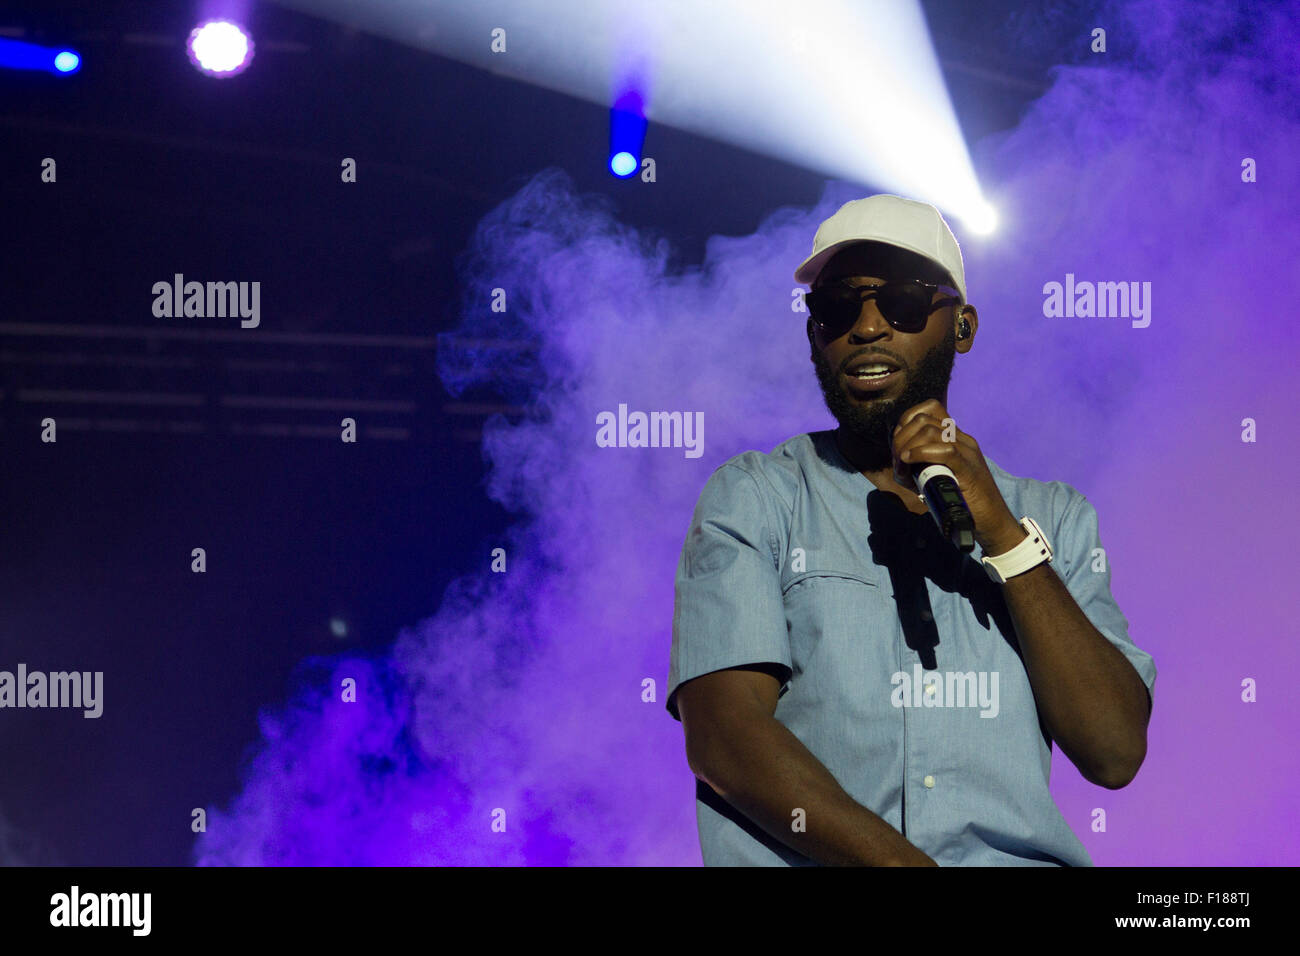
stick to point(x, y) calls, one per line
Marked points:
point(873, 423)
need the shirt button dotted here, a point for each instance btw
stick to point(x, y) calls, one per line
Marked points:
point(929, 781)
point(927, 616)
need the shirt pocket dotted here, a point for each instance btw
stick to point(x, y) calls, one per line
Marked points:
point(840, 627)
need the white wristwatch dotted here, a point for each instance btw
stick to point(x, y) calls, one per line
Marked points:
point(1031, 552)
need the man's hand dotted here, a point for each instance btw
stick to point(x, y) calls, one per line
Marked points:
point(926, 433)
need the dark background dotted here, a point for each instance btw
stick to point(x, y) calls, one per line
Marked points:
point(176, 435)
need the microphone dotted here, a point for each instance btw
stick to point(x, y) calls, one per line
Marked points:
point(939, 490)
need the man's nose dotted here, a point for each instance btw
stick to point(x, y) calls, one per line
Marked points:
point(870, 324)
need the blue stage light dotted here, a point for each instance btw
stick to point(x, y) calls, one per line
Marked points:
point(622, 163)
point(627, 126)
point(20, 55)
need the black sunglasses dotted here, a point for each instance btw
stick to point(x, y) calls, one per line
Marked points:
point(905, 304)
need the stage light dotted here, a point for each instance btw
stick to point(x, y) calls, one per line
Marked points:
point(982, 219)
point(623, 163)
point(219, 48)
point(627, 125)
point(847, 89)
point(18, 55)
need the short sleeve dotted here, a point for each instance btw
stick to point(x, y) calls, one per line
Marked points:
point(1085, 568)
point(727, 605)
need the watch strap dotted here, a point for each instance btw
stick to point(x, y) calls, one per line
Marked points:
point(1031, 552)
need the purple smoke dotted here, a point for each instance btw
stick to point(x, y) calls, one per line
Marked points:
point(524, 691)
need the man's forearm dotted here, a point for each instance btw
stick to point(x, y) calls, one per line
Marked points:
point(764, 771)
point(1093, 702)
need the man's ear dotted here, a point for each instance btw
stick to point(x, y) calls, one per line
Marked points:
point(972, 318)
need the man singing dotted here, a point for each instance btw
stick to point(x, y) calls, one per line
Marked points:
point(853, 687)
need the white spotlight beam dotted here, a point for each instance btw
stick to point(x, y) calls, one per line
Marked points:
point(849, 88)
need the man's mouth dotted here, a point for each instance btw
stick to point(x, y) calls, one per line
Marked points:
point(872, 378)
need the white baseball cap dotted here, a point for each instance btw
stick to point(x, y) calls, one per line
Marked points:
point(893, 220)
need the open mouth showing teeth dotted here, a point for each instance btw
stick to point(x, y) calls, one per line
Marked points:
point(871, 379)
point(870, 373)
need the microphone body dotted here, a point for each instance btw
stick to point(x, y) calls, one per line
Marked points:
point(938, 487)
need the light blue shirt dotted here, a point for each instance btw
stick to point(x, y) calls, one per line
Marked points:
point(796, 559)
